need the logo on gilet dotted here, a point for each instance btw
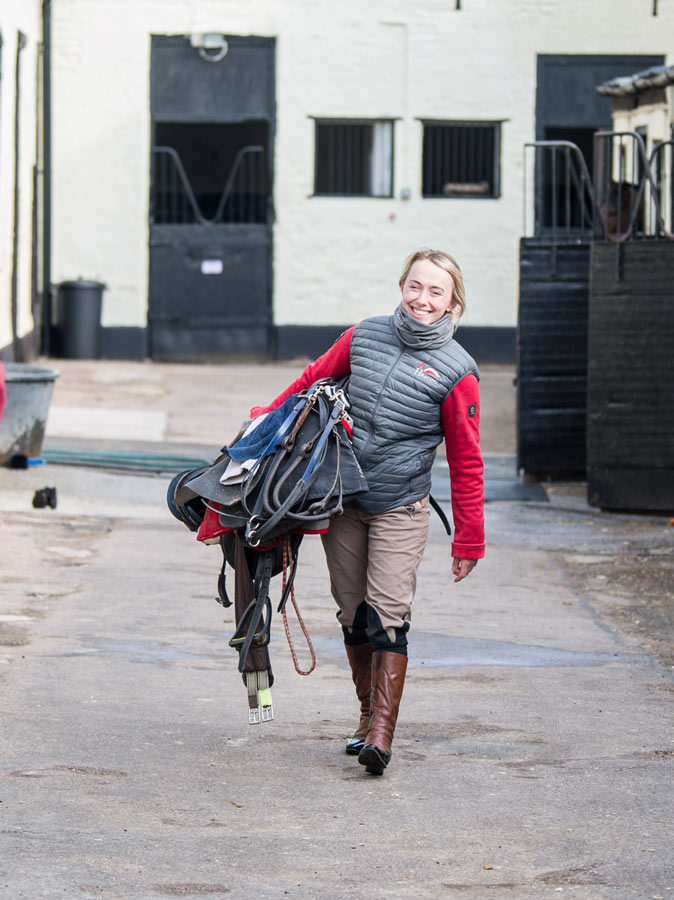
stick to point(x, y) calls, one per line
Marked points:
point(424, 371)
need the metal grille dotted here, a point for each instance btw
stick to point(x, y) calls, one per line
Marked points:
point(557, 177)
point(633, 191)
point(354, 158)
point(461, 160)
point(244, 197)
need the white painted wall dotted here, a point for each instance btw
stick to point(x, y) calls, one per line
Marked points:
point(14, 17)
point(335, 259)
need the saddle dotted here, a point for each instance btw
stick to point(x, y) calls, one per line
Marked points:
point(304, 474)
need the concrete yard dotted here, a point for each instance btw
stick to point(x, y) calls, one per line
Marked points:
point(534, 751)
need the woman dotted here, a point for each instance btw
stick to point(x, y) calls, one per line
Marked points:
point(410, 386)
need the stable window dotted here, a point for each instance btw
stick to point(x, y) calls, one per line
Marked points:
point(461, 159)
point(354, 158)
point(210, 172)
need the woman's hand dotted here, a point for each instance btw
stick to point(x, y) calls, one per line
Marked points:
point(462, 567)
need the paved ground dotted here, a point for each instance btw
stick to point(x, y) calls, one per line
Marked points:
point(534, 752)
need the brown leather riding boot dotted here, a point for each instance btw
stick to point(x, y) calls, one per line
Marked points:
point(388, 680)
point(360, 660)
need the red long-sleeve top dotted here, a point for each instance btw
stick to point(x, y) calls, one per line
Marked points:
point(460, 416)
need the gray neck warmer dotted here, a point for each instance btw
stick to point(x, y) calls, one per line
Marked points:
point(417, 335)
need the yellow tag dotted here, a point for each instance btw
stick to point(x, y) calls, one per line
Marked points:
point(264, 697)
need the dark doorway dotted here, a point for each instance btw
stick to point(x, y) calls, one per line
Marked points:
point(568, 108)
point(210, 205)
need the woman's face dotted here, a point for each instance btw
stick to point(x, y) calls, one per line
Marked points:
point(427, 292)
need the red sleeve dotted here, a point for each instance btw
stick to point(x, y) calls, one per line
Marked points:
point(461, 426)
point(333, 364)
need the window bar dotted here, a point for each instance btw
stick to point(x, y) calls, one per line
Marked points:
point(324, 154)
point(338, 147)
point(481, 157)
point(621, 179)
point(163, 186)
point(155, 203)
point(355, 143)
point(450, 138)
point(166, 178)
point(432, 161)
point(567, 191)
point(425, 176)
point(429, 137)
point(467, 134)
point(323, 163)
point(473, 161)
point(636, 182)
point(357, 150)
point(608, 170)
point(368, 145)
point(243, 188)
point(236, 195)
point(372, 165)
point(358, 156)
point(250, 212)
point(173, 195)
point(580, 177)
point(336, 142)
point(168, 201)
point(461, 155)
point(670, 175)
point(160, 193)
point(329, 146)
point(348, 151)
point(259, 188)
point(553, 187)
point(538, 189)
point(433, 157)
point(583, 211)
point(491, 162)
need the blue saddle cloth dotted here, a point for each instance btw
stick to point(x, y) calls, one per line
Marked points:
point(253, 445)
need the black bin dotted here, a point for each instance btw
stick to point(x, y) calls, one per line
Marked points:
point(79, 318)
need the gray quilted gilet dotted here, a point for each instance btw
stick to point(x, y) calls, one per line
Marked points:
point(396, 393)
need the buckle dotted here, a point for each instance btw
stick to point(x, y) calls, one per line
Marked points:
point(260, 706)
point(252, 526)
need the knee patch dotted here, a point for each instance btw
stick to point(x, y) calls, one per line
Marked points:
point(379, 638)
point(358, 633)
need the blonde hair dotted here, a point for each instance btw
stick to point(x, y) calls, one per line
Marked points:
point(449, 264)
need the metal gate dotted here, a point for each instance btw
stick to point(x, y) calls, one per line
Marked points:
point(210, 206)
point(553, 311)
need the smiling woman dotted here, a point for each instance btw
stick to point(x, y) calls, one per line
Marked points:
point(411, 385)
point(432, 285)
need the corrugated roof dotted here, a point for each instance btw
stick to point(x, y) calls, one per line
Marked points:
point(656, 76)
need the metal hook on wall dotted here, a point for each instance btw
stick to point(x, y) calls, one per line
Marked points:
point(212, 46)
